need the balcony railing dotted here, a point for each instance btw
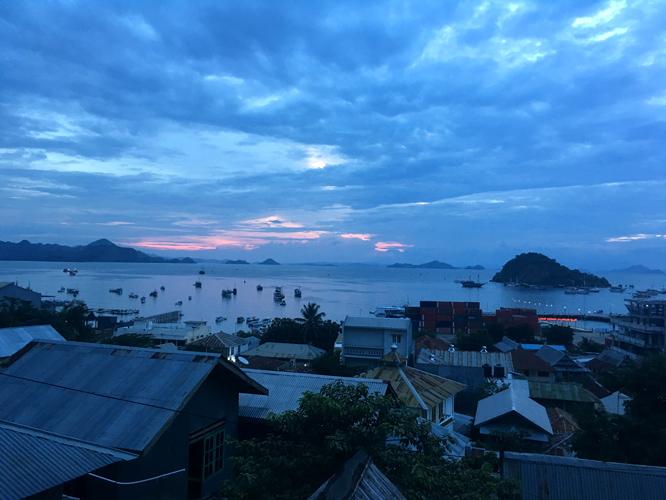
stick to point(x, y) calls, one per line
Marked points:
point(638, 327)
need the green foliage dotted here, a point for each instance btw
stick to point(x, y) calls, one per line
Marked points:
point(424, 333)
point(537, 269)
point(523, 334)
point(474, 341)
point(329, 364)
point(313, 321)
point(310, 329)
point(284, 330)
point(132, 340)
point(70, 321)
point(587, 345)
point(639, 436)
point(558, 335)
point(310, 444)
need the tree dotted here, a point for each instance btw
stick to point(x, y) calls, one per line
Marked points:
point(558, 335)
point(523, 334)
point(284, 330)
point(474, 341)
point(313, 322)
point(638, 436)
point(309, 444)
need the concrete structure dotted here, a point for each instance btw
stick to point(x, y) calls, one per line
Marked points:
point(179, 334)
point(643, 330)
point(9, 290)
point(366, 340)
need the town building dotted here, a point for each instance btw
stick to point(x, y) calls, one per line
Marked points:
point(13, 339)
point(173, 410)
point(180, 334)
point(643, 330)
point(366, 340)
point(229, 345)
point(430, 395)
point(564, 365)
point(286, 352)
point(9, 291)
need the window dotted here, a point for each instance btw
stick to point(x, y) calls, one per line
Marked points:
point(213, 453)
point(396, 338)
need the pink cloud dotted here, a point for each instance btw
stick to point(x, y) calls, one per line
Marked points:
point(385, 246)
point(364, 237)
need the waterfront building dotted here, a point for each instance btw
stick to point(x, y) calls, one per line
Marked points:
point(179, 334)
point(9, 290)
point(366, 340)
point(643, 330)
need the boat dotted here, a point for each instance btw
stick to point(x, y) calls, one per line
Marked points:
point(72, 272)
point(201, 271)
point(119, 291)
point(133, 296)
point(260, 288)
point(574, 290)
point(278, 295)
point(162, 288)
point(594, 290)
point(153, 293)
point(219, 319)
point(197, 284)
point(389, 312)
point(179, 303)
point(189, 297)
point(143, 300)
point(617, 289)
point(283, 302)
point(297, 292)
point(73, 291)
point(62, 289)
point(234, 291)
point(227, 293)
point(471, 284)
point(240, 319)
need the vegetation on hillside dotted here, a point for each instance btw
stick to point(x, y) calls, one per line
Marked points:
point(537, 269)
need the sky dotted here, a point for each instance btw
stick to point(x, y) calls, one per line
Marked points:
point(334, 131)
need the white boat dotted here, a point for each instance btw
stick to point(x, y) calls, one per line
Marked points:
point(220, 319)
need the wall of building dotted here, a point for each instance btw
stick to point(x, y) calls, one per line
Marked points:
point(12, 291)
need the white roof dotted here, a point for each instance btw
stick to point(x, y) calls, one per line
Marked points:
point(382, 323)
point(13, 339)
point(515, 399)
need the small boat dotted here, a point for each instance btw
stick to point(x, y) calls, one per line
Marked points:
point(240, 319)
point(143, 300)
point(197, 284)
point(72, 272)
point(297, 292)
point(179, 303)
point(153, 293)
point(227, 293)
point(234, 291)
point(62, 289)
point(283, 302)
point(201, 271)
point(220, 319)
point(162, 288)
point(259, 288)
point(617, 289)
point(73, 291)
point(119, 291)
point(133, 296)
point(471, 284)
point(189, 297)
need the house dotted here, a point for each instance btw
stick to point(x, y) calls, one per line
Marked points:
point(430, 395)
point(37, 463)
point(9, 291)
point(530, 365)
point(643, 330)
point(606, 360)
point(224, 343)
point(366, 340)
point(561, 362)
point(472, 368)
point(171, 409)
point(286, 352)
point(545, 477)
point(180, 334)
point(564, 395)
point(512, 410)
point(358, 479)
point(13, 339)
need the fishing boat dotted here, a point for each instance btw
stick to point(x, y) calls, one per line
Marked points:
point(197, 284)
point(297, 292)
point(278, 295)
point(162, 288)
point(260, 288)
point(227, 293)
point(179, 303)
point(143, 300)
point(471, 284)
point(133, 296)
point(153, 293)
point(220, 319)
point(118, 291)
point(240, 319)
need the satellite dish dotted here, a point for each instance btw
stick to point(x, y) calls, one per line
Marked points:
point(243, 360)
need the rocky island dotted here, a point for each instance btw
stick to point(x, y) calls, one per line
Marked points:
point(537, 269)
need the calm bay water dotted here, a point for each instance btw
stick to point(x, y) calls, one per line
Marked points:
point(339, 290)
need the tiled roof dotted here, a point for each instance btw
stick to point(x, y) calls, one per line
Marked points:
point(561, 421)
point(418, 388)
point(427, 342)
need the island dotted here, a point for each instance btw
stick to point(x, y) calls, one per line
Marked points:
point(269, 262)
point(435, 264)
point(237, 262)
point(98, 251)
point(537, 269)
point(639, 269)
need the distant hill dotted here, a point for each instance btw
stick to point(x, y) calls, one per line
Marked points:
point(97, 251)
point(237, 262)
point(537, 269)
point(435, 264)
point(269, 262)
point(639, 269)
point(476, 268)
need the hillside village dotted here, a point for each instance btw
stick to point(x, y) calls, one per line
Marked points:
point(156, 408)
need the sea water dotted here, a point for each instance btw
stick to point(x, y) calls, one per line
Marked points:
point(338, 290)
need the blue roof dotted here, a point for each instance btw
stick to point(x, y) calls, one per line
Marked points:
point(121, 397)
point(33, 461)
point(564, 478)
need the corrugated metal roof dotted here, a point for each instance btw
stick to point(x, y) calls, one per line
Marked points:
point(220, 340)
point(515, 399)
point(108, 395)
point(470, 358)
point(285, 351)
point(285, 389)
point(13, 339)
point(549, 355)
point(527, 360)
point(382, 323)
point(419, 389)
point(546, 477)
point(33, 461)
point(565, 391)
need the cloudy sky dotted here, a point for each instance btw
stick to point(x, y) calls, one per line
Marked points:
point(392, 131)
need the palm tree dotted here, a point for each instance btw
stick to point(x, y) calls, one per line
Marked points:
point(313, 320)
